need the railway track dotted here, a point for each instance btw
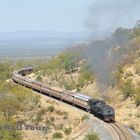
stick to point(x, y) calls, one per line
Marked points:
point(121, 133)
point(105, 131)
point(117, 130)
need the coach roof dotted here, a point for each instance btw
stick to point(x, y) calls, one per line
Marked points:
point(82, 96)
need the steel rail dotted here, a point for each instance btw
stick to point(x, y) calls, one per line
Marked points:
point(121, 131)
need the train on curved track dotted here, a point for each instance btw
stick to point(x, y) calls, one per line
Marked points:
point(97, 107)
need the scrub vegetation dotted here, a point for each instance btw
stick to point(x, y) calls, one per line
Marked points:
point(91, 136)
point(128, 74)
point(13, 99)
point(125, 92)
point(68, 70)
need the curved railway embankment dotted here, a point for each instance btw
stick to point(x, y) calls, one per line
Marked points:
point(106, 131)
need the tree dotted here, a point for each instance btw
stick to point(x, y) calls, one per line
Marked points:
point(136, 30)
point(121, 35)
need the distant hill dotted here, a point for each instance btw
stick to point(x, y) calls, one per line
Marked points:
point(39, 43)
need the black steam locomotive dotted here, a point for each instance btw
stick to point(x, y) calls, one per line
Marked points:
point(101, 110)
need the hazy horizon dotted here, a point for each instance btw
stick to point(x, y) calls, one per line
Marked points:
point(38, 44)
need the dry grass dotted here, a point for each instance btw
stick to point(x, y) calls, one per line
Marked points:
point(63, 119)
point(126, 110)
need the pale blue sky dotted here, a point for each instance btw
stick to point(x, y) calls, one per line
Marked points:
point(40, 15)
point(67, 15)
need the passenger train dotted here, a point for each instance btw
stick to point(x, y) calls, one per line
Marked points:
point(95, 106)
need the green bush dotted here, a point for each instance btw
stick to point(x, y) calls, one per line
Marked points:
point(50, 108)
point(137, 99)
point(137, 96)
point(59, 112)
point(57, 135)
point(84, 117)
point(136, 31)
point(52, 119)
point(118, 74)
point(91, 136)
point(137, 66)
point(39, 78)
point(86, 76)
point(65, 117)
point(68, 130)
point(86, 73)
point(38, 118)
point(69, 85)
point(132, 126)
point(128, 88)
point(43, 111)
point(39, 115)
point(128, 74)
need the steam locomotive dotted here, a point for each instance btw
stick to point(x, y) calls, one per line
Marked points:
point(95, 106)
